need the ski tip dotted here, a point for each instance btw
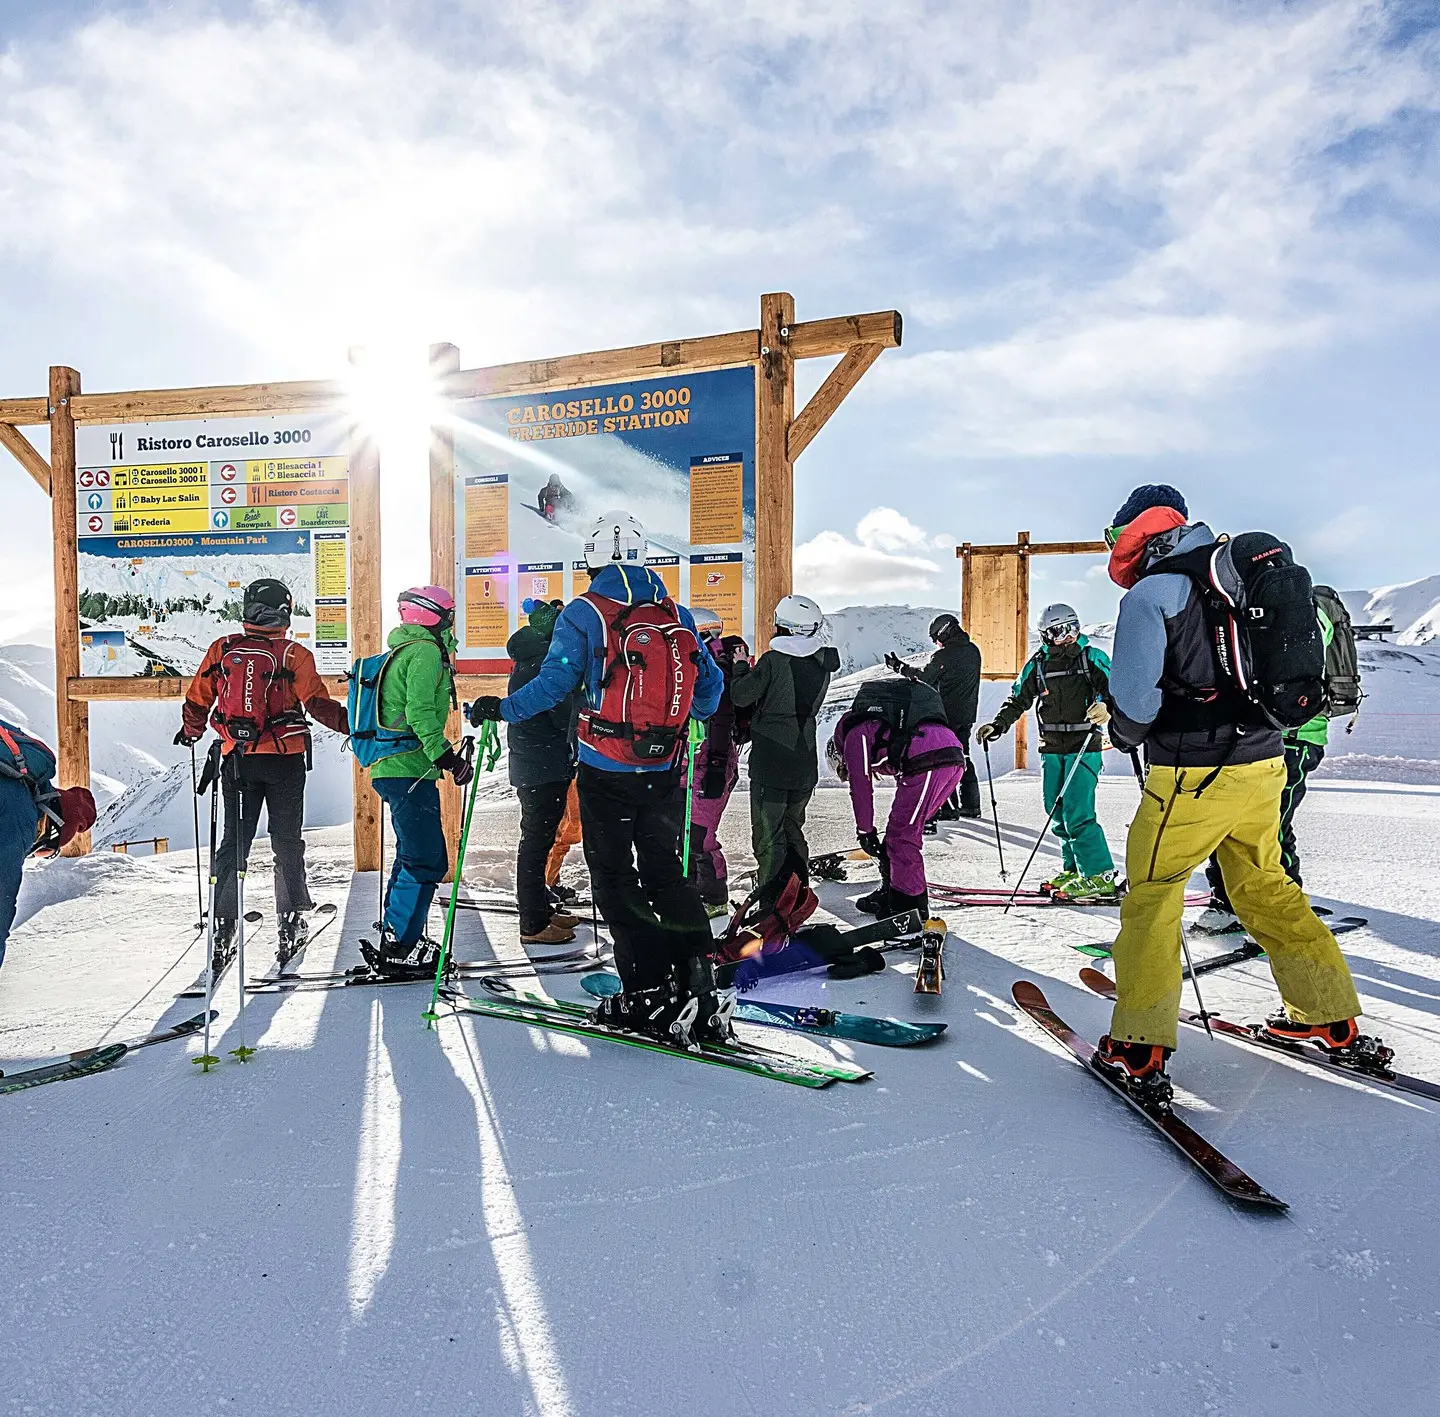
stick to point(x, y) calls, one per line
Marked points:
point(1101, 983)
point(935, 926)
point(1028, 994)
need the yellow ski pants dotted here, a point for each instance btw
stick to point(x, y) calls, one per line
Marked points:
point(1237, 816)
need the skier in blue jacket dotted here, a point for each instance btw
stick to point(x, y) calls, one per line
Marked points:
point(632, 795)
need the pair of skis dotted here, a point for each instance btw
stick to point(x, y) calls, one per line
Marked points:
point(1002, 896)
point(1248, 948)
point(97, 1060)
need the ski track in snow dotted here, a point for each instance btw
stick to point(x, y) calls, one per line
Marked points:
point(374, 1217)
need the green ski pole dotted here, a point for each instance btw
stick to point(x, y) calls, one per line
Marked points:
point(696, 736)
point(489, 743)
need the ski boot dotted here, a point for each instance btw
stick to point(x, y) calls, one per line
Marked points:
point(1139, 1068)
point(715, 1007)
point(877, 903)
point(714, 909)
point(1100, 887)
point(222, 947)
point(294, 935)
point(562, 895)
point(1062, 882)
point(1217, 919)
point(1341, 1041)
point(658, 1012)
point(932, 827)
point(392, 960)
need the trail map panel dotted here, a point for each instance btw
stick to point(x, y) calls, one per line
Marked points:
point(175, 518)
point(533, 472)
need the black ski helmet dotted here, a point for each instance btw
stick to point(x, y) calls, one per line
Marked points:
point(267, 605)
point(942, 627)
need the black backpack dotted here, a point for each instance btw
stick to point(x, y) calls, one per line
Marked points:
point(903, 704)
point(1260, 608)
point(1342, 660)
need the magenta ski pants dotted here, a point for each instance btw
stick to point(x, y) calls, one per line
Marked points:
point(917, 799)
point(711, 872)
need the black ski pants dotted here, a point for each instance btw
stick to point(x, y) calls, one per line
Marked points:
point(275, 783)
point(1301, 759)
point(966, 797)
point(631, 825)
point(541, 808)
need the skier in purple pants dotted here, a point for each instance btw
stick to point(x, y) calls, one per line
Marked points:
point(717, 765)
point(927, 765)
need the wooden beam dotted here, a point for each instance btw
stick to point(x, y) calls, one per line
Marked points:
point(72, 719)
point(1022, 639)
point(445, 363)
point(605, 366)
point(830, 395)
point(117, 689)
point(471, 686)
point(1037, 548)
point(817, 338)
point(774, 474)
point(365, 613)
point(23, 411)
point(26, 454)
point(144, 404)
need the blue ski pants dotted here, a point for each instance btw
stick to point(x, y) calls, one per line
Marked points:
point(421, 858)
point(18, 818)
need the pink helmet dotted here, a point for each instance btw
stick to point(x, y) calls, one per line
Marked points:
point(429, 605)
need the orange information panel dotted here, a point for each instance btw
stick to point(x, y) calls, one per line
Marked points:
point(540, 580)
point(717, 581)
point(717, 499)
point(668, 569)
point(487, 517)
point(487, 616)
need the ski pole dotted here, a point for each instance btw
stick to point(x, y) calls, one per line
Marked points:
point(1050, 817)
point(243, 1053)
point(695, 735)
point(195, 808)
point(430, 1015)
point(994, 810)
point(210, 778)
point(1204, 1016)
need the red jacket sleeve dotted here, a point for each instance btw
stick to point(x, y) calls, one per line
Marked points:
point(200, 696)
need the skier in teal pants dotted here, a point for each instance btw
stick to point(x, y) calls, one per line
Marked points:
point(1066, 679)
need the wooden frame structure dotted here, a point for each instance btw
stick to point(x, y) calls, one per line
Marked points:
point(995, 593)
point(64, 408)
point(780, 434)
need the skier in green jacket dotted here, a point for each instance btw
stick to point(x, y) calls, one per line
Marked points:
point(417, 690)
point(1066, 678)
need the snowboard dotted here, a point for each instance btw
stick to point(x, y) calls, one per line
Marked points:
point(930, 970)
point(1212, 1163)
point(830, 1023)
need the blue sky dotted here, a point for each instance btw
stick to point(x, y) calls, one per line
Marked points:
point(1132, 242)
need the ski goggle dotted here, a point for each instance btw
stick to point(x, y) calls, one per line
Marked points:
point(1112, 535)
point(1053, 634)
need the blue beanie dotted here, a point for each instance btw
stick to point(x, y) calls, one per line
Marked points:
point(1153, 494)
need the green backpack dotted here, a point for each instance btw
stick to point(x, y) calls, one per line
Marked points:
point(1342, 661)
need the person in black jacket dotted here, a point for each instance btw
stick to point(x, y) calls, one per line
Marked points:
point(954, 673)
point(541, 766)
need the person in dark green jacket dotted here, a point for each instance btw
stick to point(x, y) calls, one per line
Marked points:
point(417, 691)
point(1066, 679)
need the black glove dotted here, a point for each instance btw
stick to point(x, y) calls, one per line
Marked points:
point(461, 769)
point(896, 665)
point(185, 739)
point(712, 784)
point(485, 709)
point(870, 843)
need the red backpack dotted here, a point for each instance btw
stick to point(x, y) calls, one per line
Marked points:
point(652, 659)
point(254, 693)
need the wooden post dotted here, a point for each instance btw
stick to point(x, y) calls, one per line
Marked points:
point(1022, 636)
point(774, 483)
point(72, 718)
point(365, 612)
point(445, 361)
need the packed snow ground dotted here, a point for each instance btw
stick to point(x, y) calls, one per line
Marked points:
point(374, 1218)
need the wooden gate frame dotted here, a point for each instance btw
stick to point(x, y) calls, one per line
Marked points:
point(66, 406)
point(780, 435)
point(1023, 550)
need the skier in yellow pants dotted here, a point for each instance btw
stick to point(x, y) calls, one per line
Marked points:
point(1216, 769)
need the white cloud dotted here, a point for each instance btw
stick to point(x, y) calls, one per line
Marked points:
point(890, 557)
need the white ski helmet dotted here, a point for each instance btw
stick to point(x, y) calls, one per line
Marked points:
point(708, 624)
point(799, 615)
point(617, 539)
point(1058, 622)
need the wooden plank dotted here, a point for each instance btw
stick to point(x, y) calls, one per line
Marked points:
point(814, 339)
point(1039, 548)
point(830, 395)
point(26, 454)
point(140, 404)
point(72, 719)
point(774, 474)
point(94, 688)
point(445, 362)
point(605, 366)
point(472, 686)
point(365, 613)
point(1022, 637)
point(988, 607)
point(24, 411)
